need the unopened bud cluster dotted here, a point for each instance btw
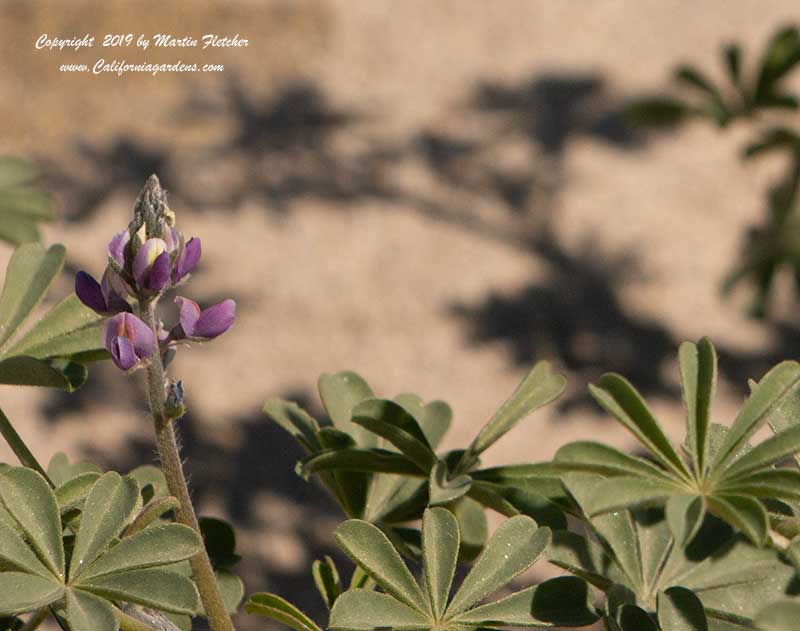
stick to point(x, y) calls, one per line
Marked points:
point(144, 261)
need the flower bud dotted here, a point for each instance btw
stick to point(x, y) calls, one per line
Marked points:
point(206, 324)
point(116, 247)
point(105, 297)
point(129, 340)
point(151, 265)
point(187, 260)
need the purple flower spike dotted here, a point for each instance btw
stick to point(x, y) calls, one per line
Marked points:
point(105, 297)
point(116, 248)
point(188, 259)
point(208, 323)
point(90, 293)
point(128, 339)
point(151, 265)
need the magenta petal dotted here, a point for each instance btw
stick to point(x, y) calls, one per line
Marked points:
point(128, 339)
point(116, 248)
point(215, 320)
point(188, 259)
point(158, 276)
point(189, 314)
point(89, 292)
point(140, 335)
point(122, 353)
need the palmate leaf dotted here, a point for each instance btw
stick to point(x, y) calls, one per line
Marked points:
point(515, 546)
point(724, 474)
point(22, 205)
point(633, 557)
point(392, 480)
point(49, 354)
point(104, 569)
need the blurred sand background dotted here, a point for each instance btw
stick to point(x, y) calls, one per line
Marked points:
point(434, 194)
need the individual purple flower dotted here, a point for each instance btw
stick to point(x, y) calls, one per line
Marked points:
point(105, 297)
point(187, 260)
point(129, 340)
point(116, 247)
point(206, 324)
point(151, 265)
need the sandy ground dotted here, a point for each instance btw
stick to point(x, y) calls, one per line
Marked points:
point(433, 194)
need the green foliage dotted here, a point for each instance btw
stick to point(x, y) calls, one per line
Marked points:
point(100, 565)
point(723, 475)
point(379, 462)
point(22, 205)
point(406, 604)
point(717, 582)
point(52, 352)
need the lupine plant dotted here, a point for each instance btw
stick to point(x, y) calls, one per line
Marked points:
point(701, 536)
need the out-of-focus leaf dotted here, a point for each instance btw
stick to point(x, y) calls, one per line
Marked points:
point(28, 498)
point(295, 420)
point(340, 393)
point(276, 608)
point(70, 328)
point(326, 578)
point(21, 204)
point(220, 542)
point(30, 272)
point(657, 112)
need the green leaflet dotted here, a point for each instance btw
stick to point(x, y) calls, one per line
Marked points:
point(275, 607)
point(28, 498)
point(364, 610)
point(29, 274)
point(108, 509)
point(680, 610)
point(440, 543)
point(340, 393)
point(368, 546)
point(540, 387)
point(159, 589)
point(86, 612)
point(512, 549)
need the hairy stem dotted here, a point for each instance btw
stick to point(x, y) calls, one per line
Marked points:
point(169, 454)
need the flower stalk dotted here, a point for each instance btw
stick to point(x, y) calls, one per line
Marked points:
point(169, 455)
point(144, 261)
